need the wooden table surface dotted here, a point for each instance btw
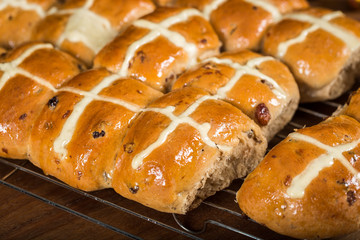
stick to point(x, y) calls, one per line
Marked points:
point(36, 207)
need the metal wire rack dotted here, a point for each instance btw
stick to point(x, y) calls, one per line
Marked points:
point(217, 216)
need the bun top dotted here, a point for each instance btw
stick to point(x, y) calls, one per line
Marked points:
point(318, 38)
point(84, 27)
point(159, 46)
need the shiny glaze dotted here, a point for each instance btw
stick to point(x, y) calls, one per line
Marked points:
point(183, 118)
point(234, 77)
point(11, 69)
point(181, 160)
point(83, 28)
point(302, 181)
point(157, 29)
point(84, 130)
point(24, 5)
point(329, 206)
point(242, 24)
point(137, 52)
point(60, 143)
point(23, 16)
point(29, 79)
point(319, 23)
point(300, 49)
point(352, 107)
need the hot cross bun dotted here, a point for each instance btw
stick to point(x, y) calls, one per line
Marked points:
point(235, 77)
point(29, 75)
point(83, 27)
point(307, 186)
point(322, 50)
point(18, 18)
point(79, 132)
point(241, 24)
point(161, 45)
point(183, 148)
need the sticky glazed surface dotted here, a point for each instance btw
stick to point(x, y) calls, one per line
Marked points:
point(241, 24)
point(29, 75)
point(173, 147)
point(159, 46)
point(84, 27)
point(235, 77)
point(318, 38)
point(307, 186)
point(22, 16)
point(352, 107)
point(78, 133)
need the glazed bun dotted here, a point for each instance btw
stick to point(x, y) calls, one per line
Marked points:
point(322, 50)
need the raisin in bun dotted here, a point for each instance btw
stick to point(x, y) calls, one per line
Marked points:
point(307, 186)
point(322, 51)
point(30, 74)
point(159, 46)
point(241, 24)
point(18, 18)
point(260, 86)
point(78, 134)
point(183, 148)
point(83, 27)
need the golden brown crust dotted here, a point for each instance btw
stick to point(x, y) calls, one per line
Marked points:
point(250, 91)
point(98, 132)
point(318, 61)
point(158, 61)
point(169, 180)
point(241, 24)
point(52, 27)
point(23, 20)
point(351, 108)
point(330, 205)
point(22, 97)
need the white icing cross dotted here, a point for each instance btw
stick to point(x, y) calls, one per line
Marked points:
point(241, 70)
point(347, 37)
point(312, 170)
point(203, 129)
point(24, 5)
point(266, 5)
point(69, 126)
point(85, 26)
point(11, 69)
point(175, 122)
point(158, 29)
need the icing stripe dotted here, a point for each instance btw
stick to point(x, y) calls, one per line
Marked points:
point(347, 37)
point(85, 26)
point(69, 126)
point(301, 181)
point(130, 106)
point(267, 6)
point(209, 8)
point(12, 68)
point(175, 122)
point(24, 5)
point(241, 70)
point(174, 37)
point(158, 29)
